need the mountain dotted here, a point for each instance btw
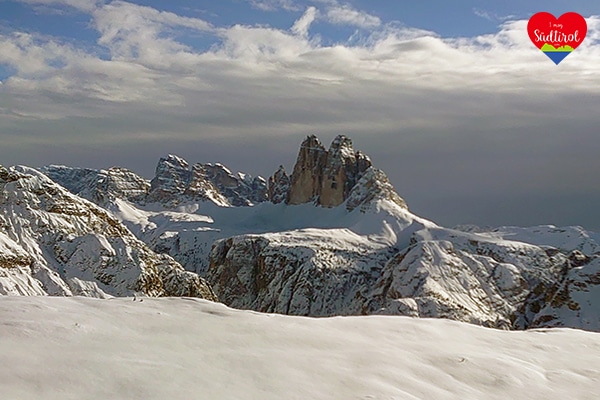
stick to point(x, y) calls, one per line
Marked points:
point(326, 176)
point(100, 186)
point(175, 182)
point(335, 238)
point(55, 243)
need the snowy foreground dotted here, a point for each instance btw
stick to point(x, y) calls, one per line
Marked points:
point(82, 348)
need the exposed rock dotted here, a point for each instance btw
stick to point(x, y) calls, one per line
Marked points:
point(55, 243)
point(568, 301)
point(175, 182)
point(240, 190)
point(7, 175)
point(373, 185)
point(307, 177)
point(326, 177)
point(272, 273)
point(472, 278)
point(339, 173)
point(434, 279)
point(279, 186)
point(100, 186)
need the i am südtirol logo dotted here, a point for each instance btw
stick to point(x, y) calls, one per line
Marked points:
point(557, 37)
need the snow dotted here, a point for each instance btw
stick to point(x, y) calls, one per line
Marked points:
point(82, 348)
point(188, 232)
point(564, 238)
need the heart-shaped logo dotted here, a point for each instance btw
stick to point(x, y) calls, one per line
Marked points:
point(557, 38)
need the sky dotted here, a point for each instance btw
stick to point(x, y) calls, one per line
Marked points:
point(471, 122)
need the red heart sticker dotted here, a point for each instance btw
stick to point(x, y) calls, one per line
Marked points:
point(557, 37)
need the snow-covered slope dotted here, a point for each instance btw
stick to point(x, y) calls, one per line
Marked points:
point(53, 242)
point(77, 348)
point(564, 238)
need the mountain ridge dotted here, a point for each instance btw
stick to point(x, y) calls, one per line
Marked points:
point(335, 238)
point(55, 243)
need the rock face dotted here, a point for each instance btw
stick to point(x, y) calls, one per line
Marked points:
point(332, 177)
point(343, 169)
point(571, 300)
point(175, 182)
point(326, 177)
point(55, 243)
point(442, 274)
point(240, 190)
point(307, 177)
point(279, 186)
point(100, 186)
point(373, 185)
point(302, 275)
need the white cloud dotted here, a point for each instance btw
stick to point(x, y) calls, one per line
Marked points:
point(273, 82)
point(302, 25)
point(82, 5)
point(490, 16)
point(272, 5)
point(144, 34)
point(31, 57)
point(346, 15)
point(483, 14)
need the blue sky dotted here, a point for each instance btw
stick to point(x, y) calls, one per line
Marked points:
point(471, 122)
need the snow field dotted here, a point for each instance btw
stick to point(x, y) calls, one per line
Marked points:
point(82, 348)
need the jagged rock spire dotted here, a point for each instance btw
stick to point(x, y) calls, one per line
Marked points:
point(306, 179)
point(279, 186)
point(326, 176)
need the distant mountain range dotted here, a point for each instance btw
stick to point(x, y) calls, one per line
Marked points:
point(332, 237)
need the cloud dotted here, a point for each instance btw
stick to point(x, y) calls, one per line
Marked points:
point(143, 33)
point(270, 82)
point(493, 17)
point(387, 79)
point(346, 15)
point(272, 5)
point(81, 5)
point(302, 25)
point(483, 14)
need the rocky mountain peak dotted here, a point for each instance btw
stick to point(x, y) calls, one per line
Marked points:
point(173, 161)
point(53, 242)
point(100, 186)
point(341, 172)
point(279, 186)
point(7, 175)
point(374, 184)
point(241, 189)
point(176, 181)
point(307, 176)
point(343, 145)
point(173, 177)
point(331, 177)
